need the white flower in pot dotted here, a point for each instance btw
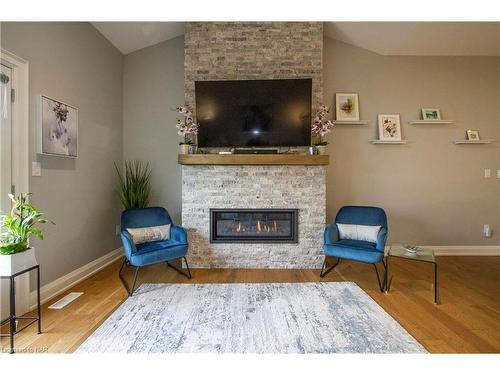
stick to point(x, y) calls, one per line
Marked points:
point(188, 129)
point(16, 229)
point(321, 127)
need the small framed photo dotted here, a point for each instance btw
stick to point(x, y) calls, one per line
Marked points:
point(473, 135)
point(57, 128)
point(347, 107)
point(431, 114)
point(389, 127)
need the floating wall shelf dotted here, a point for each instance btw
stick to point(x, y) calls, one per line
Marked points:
point(350, 122)
point(379, 142)
point(431, 122)
point(468, 142)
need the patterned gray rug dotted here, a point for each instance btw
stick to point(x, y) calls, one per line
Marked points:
point(336, 317)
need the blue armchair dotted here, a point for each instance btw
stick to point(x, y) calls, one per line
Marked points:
point(145, 254)
point(361, 251)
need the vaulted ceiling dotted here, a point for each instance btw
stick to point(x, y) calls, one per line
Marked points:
point(385, 38)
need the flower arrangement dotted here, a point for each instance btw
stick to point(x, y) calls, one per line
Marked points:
point(186, 127)
point(320, 125)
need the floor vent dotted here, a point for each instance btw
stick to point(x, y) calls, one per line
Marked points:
point(65, 300)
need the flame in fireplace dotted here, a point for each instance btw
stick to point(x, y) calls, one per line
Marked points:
point(261, 226)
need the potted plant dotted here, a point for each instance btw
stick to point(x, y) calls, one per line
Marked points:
point(16, 229)
point(321, 127)
point(188, 129)
point(134, 186)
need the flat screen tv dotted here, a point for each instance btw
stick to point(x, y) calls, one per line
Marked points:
point(254, 113)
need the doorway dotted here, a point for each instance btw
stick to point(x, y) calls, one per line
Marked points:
point(14, 148)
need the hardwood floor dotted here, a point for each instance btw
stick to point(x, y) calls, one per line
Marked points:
point(466, 321)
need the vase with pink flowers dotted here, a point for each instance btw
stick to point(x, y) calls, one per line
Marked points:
point(321, 126)
point(187, 128)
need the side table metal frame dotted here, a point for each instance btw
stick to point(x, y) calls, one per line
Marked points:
point(13, 319)
point(388, 283)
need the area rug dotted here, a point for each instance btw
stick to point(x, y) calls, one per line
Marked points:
point(335, 317)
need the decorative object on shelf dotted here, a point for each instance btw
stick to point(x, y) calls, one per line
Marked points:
point(313, 150)
point(187, 128)
point(321, 127)
point(431, 114)
point(134, 187)
point(16, 229)
point(389, 127)
point(347, 107)
point(472, 135)
point(57, 129)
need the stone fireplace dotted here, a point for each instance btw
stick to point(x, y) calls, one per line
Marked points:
point(254, 50)
point(265, 188)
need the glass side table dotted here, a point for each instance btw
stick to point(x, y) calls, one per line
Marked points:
point(425, 255)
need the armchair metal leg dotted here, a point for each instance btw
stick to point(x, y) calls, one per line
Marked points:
point(188, 274)
point(382, 283)
point(324, 271)
point(129, 291)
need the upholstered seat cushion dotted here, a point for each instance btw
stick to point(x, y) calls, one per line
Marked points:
point(361, 251)
point(157, 251)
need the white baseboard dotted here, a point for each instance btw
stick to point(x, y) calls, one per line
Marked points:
point(482, 250)
point(63, 283)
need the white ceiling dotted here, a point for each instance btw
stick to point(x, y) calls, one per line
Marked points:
point(420, 38)
point(132, 36)
point(385, 38)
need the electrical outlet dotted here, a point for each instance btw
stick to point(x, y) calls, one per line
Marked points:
point(498, 173)
point(486, 230)
point(117, 229)
point(487, 173)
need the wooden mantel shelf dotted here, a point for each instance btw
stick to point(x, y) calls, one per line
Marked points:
point(252, 159)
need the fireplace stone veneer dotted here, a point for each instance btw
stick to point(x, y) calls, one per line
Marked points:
point(300, 187)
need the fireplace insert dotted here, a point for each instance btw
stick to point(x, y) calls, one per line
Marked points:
point(253, 225)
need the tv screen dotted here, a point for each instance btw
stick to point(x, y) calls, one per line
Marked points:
point(254, 113)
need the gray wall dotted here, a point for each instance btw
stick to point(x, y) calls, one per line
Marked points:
point(153, 85)
point(434, 191)
point(73, 62)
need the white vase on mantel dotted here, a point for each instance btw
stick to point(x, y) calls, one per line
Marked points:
point(183, 149)
point(321, 150)
point(14, 263)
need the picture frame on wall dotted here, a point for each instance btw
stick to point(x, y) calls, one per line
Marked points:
point(431, 114)
point(347, 106)
point(472, 135)
point(57, 128)
point(389, 127)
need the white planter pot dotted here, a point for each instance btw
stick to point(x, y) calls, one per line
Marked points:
point(183, 149)
point(321, 150)
point(14, 263)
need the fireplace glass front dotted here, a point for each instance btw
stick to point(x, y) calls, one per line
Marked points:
point(253, 225)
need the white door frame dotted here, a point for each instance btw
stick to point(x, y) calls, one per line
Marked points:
point(20, 119)
point(20, 150)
